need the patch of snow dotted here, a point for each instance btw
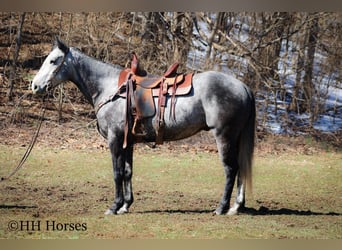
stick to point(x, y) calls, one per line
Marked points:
point(274, 116)
point(327, 123)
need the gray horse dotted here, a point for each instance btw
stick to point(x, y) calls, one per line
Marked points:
point(217, 102)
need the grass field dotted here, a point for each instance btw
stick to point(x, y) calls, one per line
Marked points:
point(63, 193)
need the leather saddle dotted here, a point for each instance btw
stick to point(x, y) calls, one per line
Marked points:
point(140, 89)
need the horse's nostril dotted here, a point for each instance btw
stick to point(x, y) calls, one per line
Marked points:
point(35, 88)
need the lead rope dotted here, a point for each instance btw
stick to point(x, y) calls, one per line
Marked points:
point(29, 148)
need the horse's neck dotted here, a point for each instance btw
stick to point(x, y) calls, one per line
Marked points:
point(95, 79)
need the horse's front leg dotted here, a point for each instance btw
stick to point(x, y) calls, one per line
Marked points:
point(118, 161)
point(128, 171)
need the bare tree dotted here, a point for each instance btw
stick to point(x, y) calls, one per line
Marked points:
point(12, 77)
point(277, 54)
point(308, 85)
point(181, 30)
point(304, 89)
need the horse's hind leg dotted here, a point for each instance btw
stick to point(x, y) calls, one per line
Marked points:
point(240, 198)
point(228, 155)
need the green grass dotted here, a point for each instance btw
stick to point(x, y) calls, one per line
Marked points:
point(294, 196)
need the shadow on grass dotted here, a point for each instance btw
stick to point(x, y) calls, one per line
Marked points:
point(16, 206)
point(283, 211)
point(249, 211)
point(175, 211)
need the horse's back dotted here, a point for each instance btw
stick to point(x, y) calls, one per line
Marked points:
point(224, 98)
point(220, 84)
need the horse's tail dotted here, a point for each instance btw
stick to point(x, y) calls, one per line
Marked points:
point(246, 145)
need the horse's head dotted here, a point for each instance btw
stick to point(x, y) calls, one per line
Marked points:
point(53, 70)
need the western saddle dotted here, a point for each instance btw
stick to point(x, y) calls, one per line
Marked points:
point(139, 89)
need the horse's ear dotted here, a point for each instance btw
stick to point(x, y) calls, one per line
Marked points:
point(62, 46)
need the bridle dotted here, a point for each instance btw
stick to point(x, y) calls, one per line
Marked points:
point(56, 71)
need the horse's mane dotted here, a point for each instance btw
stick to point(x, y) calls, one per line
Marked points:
point(96, 59)
point(58, 43)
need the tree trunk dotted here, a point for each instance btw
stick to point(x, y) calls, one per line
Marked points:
point(153, 35)
point(211, 38)
point(15, 57)
point(181, 28)
point(303, 90)
point(295, 105)
point(308, 85)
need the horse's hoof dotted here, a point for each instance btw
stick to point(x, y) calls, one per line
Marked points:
point(232, 212)
point(217, 212)
point(109, 212)
point(122, 210)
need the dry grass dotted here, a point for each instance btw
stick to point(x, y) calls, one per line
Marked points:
point(295, 196)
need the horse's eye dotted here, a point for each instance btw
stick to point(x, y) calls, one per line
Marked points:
point(53, 61)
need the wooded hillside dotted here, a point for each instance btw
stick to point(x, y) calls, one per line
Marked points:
point(292, 61)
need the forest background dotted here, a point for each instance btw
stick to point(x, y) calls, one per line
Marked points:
point(291, 61)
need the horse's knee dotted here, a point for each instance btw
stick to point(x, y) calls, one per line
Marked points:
point(128, 173)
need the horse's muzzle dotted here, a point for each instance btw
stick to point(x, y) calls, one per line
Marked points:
point(38, 89)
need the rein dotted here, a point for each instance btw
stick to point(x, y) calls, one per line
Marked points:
point(29, 148)
point(35, 136)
